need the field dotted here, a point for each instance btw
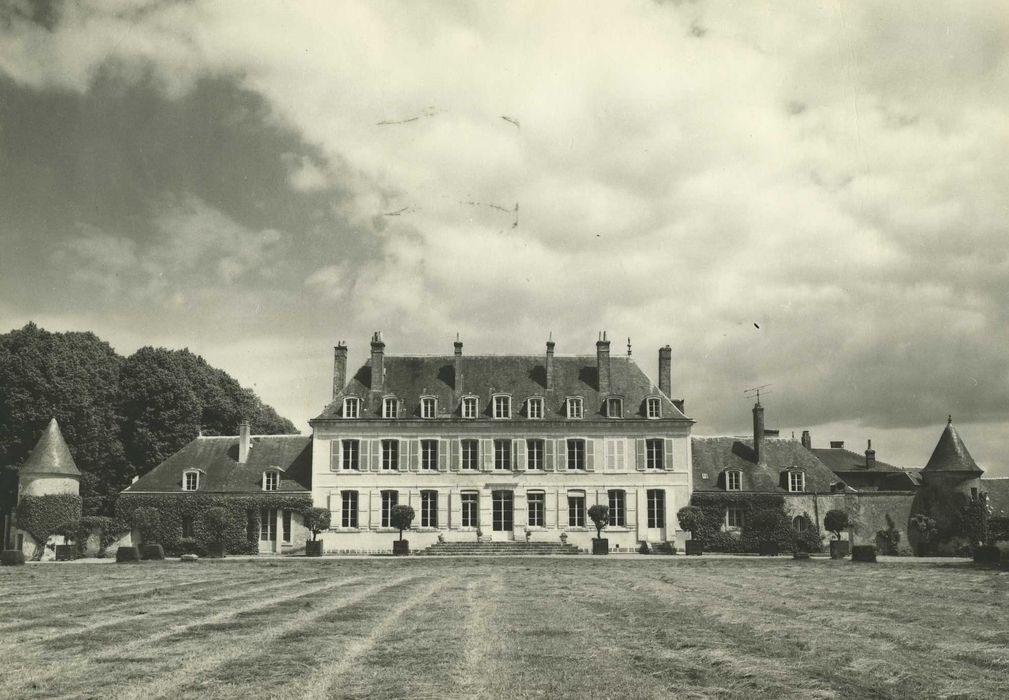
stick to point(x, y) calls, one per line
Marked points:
point(537, 627)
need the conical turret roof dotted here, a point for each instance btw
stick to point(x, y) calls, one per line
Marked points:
point(51, 454)
point(950, 454)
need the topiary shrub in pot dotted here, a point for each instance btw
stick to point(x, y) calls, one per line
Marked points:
point(864, 553)
point(766, 528)
point(691, 518)
point(146, 520)
point(128, 555)
point(987, 554)
point(12, 557)
point(152, 552)
point(216, 521)
point(400, 518)
point(68, 550)
point(316, 520)
point(836, 521)
point(600, 515)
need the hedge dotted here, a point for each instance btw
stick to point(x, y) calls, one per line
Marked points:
point(714, 539)
point(42, 516)
point(242, 535)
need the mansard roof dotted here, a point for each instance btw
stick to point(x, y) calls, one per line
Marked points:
point(950, 454)
point(713, 456)
point(217, 458)
point(409, 377)
point(51, 455)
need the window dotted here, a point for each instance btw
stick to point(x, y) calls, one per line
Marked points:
point(428, 407)
point(390, 499)
point(502, 407)
point(615, 453)
point(534, 454)
point(470, 407)
point(285, 526)
point(390, 455)
point(653, 453)
point(576, 510)
point(429, 509)
point(618, 510)
point(800, 523)
point(574, 408)
point(656, 508)
point(471, 454)
point(390, 407)
point(653, 408)
point(796, 482)
point(268, 524)
point(188, 529)
point(536, 500)
point(348, 516)
point(352, 454)
point(733, 480)
point(614, 408)
point(351, 407)
point(503, 454)
point(534, 409)
point(502, 511)
point(271, 481)
point(734, 517)
point(576, 454)
point(429, 455)
point(190, 481)
point(470, 509)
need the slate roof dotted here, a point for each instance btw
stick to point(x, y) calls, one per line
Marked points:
point(850, 467)
point(713, 456)
point(998, 495)
point(409, 377)
point(51, 455)
point(217, 457)
point(950, 454)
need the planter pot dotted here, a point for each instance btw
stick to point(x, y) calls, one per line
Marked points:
point(189, 558)
point(925, 549)
point(988, 554)
point(126, 555)
point(152, 552)
point(216, 550)
point(65, 552)
point(694, 548)
point(401, 548)
point(313, 549)
point(768, 549)
point(800, 554)
point(839, 549)
point(600, 546)
point(864, 553)
point(12, 557)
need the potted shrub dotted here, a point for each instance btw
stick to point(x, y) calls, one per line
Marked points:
point(643, 548)
point(564, 537)
point(12, 557)
point(864, 553)
point(400, 518)
point(600, 515)
point(128, 554)
point(316, 520)
point(927, 532)
point(766, 528)
point(216, 521)
point(68, 550)
point(529, 535)
point(147, 521)
point(837, 521)
point(691, 518)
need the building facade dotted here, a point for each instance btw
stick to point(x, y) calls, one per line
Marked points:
point(500, 447)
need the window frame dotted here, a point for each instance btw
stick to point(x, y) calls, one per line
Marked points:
point(350, 452)
point(792, 473)
point(735, 518)
point(428, 459)
point(616, 499)
point(655, 454)
point(539, 513)
point(574, 408)
point(351, 407)
point(568, 444)
point(473, 443)
point(429, 508)
point(501, 401)
point(469, 408)
point(389, 454)
point(576, 508)
point(538, 464)
point(733, 475)
point(618, 402)
point(655, 505)
point(650, 403)
point(537, 402)
point(389, 500)
point(469, 509)
point(502, 449)
point(390, 407)
point(271, 474)
point(428, 401)
point(188, 527)
point(195, 473)
point(349, 504)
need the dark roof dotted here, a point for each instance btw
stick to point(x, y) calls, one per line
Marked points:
point(950, 454)
point(842, 460)
point(998, 495)
point(850, 468)
point(713, 456)
point(408, 378)
point(51, 455)
point(217, 457)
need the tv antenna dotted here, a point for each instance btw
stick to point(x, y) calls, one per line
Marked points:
point(755, 391)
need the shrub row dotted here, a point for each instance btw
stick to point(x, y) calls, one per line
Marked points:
point(764, 518)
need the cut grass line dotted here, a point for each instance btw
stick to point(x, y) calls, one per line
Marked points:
point(200, 664)
point(478, 664)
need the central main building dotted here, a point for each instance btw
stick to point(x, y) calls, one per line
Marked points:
point(514, 446)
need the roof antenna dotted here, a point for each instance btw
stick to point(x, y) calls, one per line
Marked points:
point(628, 346)
point(755, 391)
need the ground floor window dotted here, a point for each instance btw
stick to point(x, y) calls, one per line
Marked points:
point(188, 529)
point(800, 523)
point(503, 510)
point(285, 522)
point(268, 525)
point(534, 454)
point(429, 509)
point(656, 508)
point(734, 517)
point(390, 499)
point(348, 514)
point(576, 510)
point(618, 501)
point(470, 509)
point(536, 501)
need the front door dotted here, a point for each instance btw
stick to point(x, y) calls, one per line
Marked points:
point(503, 515)
point(268, 531)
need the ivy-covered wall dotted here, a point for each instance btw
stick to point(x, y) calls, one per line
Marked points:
point(242, 535)
point(41, 516)
point(714, 539)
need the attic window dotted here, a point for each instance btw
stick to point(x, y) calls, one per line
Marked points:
point(534, 409)
point(574, 407)
point(190, 480)
point(734, 480)
point(428, 407)
point(614, 408)
point(470, 406)
point(502, 406)
point(351, 407)
point(653, 408)
point(271, 481)
point(796, 482)
point(390, 407)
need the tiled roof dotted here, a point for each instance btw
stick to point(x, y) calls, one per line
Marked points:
point(998, 495)
point(850, 467)
point(713, 456)
point(842, 460)
point(217, 457)
point(51, 455)
point(950, 454)
point(408, 378)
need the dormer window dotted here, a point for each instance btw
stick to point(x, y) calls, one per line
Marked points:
point(191, 480)
point(574, 407)
point(796, 481)
point(352, 407)
point(534, 408)
point(390, 407)
point(470, 406)
point(653, 408)
point(614, 408)
point(502, 406)
point(733, 480)
point(271, 480)
point(428, 407)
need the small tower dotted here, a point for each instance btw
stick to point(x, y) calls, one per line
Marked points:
point(951, 465)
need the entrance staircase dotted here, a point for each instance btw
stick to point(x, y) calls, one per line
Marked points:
point(497, 549)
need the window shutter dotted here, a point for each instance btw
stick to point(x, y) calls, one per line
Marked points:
point(455, 510)
point(548, 455)
point(487, 454)
point(364, 509)
point(521, 512)
point(639, 462)
point(630, 504)
point(590, 455)
point(363, 447)
point(414, 455)
point(519, 454)
point(642, 519)
point(455, 455)
point(550, 506)
point(442, 510)
point(374, 459)
point(334, 508)
point(610, 448)
point(562, 459)
point(485, 521)
point(562, 510)
point(334, 455)
point(621, 449)
point(667, 454)
point(444, 452)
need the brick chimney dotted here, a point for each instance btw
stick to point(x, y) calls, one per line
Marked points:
point(457, 378)
point(377, 362)
point(339, 367)
point(244, 442)
point(870, 456)
point(758, 433)
point(550, 362)
point(665, 367)
point(807, 440)
point(603, 364)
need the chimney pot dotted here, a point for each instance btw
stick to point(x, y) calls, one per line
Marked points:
point(377, 362)
point(244, 442)
point(807, 440)
point(758, 434)
point(339, 368)
point(665, 374)
point(550, 363)
point(457, 378)
point(603, 364)
point(870, 456)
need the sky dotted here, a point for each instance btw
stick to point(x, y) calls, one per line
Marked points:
point(810, 196)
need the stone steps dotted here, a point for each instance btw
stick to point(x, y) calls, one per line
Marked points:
point(494, 549)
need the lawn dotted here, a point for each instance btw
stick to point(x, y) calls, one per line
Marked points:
point(538, 627)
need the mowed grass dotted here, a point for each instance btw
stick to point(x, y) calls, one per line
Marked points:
point(509, 627)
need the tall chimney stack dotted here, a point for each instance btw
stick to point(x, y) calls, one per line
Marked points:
point(603, 364)
point(339, 367)
point(377, 362)
point(244, 441)
point(807, 440)
point(457, 379)
point(870, 456)
point(758, 433)
point(665, 367)
point(550, 362)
